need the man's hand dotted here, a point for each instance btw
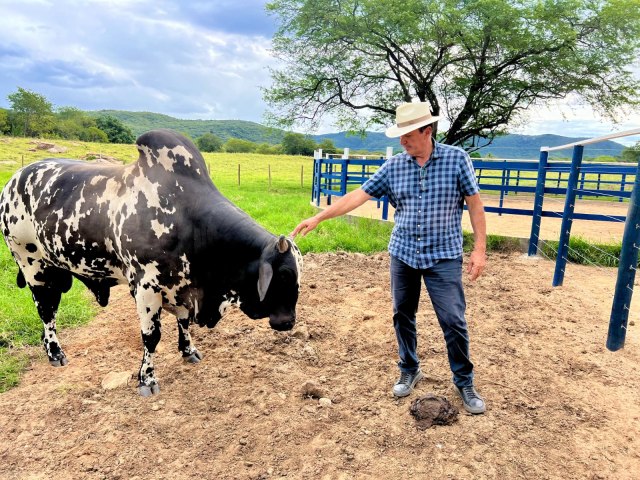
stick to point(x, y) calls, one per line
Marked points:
point(305, 226)
point(477, 262)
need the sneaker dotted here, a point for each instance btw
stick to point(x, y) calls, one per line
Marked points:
point(472, 402)
point(404, 386)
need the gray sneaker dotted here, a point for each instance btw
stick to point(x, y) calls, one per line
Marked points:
point(406, 382)
point(472, 402)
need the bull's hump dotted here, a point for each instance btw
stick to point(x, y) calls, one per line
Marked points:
point(164, 151)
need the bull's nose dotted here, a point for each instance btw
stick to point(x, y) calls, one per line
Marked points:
point(282, 326)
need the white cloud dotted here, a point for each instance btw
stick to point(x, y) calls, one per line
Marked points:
point(127, 55)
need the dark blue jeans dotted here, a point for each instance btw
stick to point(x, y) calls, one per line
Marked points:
point(444, 285)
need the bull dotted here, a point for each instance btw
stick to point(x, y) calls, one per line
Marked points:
point(158, 225)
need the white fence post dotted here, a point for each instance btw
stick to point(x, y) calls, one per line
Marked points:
point(389, 152)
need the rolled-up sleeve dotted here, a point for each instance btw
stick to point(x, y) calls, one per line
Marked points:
point(378, 184)
point(467, 177)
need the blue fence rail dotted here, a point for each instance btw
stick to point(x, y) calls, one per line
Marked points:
point(337, 176)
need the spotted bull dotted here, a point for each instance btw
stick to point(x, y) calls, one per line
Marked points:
point(158, 225)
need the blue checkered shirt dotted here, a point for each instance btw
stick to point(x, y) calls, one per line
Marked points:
point(428, 203)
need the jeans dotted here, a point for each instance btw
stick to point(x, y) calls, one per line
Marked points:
point(444, 285)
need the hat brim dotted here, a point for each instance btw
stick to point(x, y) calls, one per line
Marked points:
point(395, 131)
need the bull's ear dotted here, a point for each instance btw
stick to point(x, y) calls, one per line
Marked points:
point(283, 245)
point(264, 279)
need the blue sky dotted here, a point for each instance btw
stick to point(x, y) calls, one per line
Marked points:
point(187, 59)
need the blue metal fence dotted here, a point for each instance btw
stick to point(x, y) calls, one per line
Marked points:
point(337, 176)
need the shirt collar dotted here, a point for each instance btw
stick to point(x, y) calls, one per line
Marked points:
point(435, 153)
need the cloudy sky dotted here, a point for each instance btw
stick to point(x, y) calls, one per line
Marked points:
point(201, 59)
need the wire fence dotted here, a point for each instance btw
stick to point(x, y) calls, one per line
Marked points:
point(296, 175)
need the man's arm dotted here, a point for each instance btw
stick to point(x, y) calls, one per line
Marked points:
point(478, 257)
point(341, 206)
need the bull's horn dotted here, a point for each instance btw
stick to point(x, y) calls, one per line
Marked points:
point(283, 245)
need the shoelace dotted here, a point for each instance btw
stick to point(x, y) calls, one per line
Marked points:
point(405, 378)
point(469, 393)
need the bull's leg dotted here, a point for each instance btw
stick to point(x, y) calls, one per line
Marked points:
point(189, 352)
point(149, 306)
point(47, 299)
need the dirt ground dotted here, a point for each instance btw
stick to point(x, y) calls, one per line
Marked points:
point(560, 406)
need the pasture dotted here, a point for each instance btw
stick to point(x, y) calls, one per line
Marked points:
point(560, 406)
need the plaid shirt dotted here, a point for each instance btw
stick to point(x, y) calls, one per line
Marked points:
point(428, 203)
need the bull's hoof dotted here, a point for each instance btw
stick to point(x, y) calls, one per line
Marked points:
point(148, 390)
point(194, 357)
point(60, 361)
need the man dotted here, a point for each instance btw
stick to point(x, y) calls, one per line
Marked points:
point(427, 185)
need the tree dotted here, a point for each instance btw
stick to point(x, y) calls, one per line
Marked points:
point(94, 134)
point(72, 123)
point(327, 146)
point(116, 131)
point(631, 154)
point(210, 143)
point(480, 64)
point(32, 113)
point(237, 145)
point(297, 144)
point(4, 121)
point(269, 149)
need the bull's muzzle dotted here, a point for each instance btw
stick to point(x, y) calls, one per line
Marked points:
point(282, 323)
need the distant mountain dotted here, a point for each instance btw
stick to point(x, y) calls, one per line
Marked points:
point(508, 146)
point(140, 122)
point(373, 141)
point(528, 146)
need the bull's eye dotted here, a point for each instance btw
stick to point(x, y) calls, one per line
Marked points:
point(286, 275)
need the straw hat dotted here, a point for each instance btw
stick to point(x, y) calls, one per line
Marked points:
point(410, 116)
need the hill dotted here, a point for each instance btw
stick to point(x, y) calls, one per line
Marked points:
point(528, 146)
point(140, 122)
point(508, 146)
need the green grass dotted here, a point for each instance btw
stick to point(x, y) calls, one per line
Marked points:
point(19, 321)
point(584, 252)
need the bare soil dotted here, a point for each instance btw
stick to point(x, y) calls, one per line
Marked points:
point(560, 406)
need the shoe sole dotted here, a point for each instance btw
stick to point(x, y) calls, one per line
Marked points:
point(412, 386)
point(467, 407)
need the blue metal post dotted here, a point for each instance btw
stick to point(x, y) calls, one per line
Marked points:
point(537, 203)
point(567, 216)
point(502, 188)
point(314, 180)
point(343, 176)
point(329, 181)
point(626, 271)
point(385, 207)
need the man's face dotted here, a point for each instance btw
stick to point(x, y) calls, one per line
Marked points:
point(415, 143)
